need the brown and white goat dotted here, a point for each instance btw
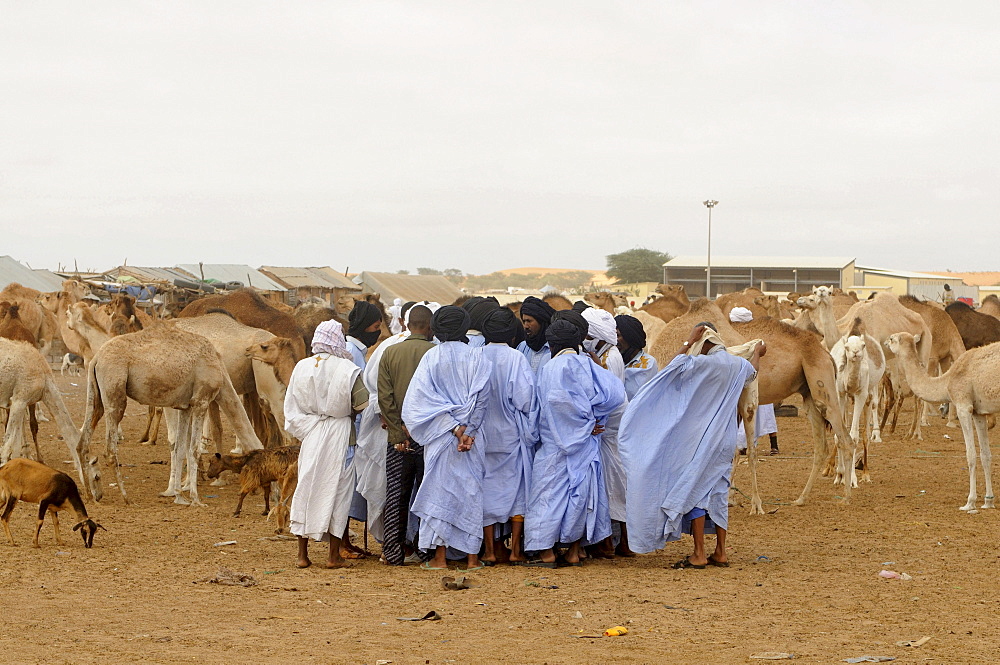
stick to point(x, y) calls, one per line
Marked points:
point(257, 469)
point(26, 480)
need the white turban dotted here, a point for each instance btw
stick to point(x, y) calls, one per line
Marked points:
point(740, 315)
point(433, 306)
point(601, 325)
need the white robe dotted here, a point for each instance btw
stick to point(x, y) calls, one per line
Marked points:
point(614, 472)
point(318, 413)
point(369, 458)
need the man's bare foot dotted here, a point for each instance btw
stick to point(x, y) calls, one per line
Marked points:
point(517, 558)
point(303, 563)
point(624, 552)
point(338, 564)
point(351, 554)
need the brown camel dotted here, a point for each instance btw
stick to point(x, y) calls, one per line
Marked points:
point(250, 309)
point(773, 307)
point(171, 368)
point(673, 303)
point(35, 318)
point(557, 302)
point(744, 298)
point(977, 329)
point(991, 306)
point(971, 385)
point(606, 301)
point(310, 315)
point(946, 341)
point(796, 362)
point(25, 380)
point(58, 304)
point(842, 302)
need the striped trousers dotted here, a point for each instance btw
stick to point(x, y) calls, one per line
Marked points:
point(404, 472)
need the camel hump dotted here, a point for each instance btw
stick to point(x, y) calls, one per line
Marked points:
point(220, 310)
point(857, 327)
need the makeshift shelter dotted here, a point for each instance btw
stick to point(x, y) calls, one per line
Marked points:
point(306, 283)
point(408, 287)
point(231, 276)
point(13, 271)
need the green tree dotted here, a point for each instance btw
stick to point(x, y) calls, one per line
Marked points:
point(637, 265)
point(428, 271)
point(402, 272)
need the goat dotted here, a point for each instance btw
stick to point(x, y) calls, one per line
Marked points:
point(286, 488)
point(73, 363)
point(257, 469)
point(27, 480)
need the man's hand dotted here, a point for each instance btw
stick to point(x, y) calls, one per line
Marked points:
point(760, 349)
point(598, 429)
point(465, 443)
point(459, 432)
point(404, 446)
point(696, 334)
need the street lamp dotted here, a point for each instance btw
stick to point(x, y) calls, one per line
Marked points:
point(708, 264)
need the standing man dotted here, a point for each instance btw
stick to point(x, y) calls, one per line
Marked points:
point(678, 442)
point(365, 327)
point(567, 500)
point(640, 367)
point(324, 393)
point(508, 435)
point(536, 314)
point(404, 462)
point(444, 409)
point(478, 308)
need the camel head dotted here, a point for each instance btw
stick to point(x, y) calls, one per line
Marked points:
point(279, 353)
point(824, 293)
point(52, 300)
point(808, 302)
point(902, 340)
point(92, 470)
point(672, 290)
point(854, 346)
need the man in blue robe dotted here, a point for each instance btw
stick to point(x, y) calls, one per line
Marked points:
point(640, 367)
point(568, 502)
point(509, 434)
point(444, 409)
point(536, 314)
point(677, 445)
point(478, 308)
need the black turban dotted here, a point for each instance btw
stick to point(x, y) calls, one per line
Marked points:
point(563, 334)
point(479, 308)
point(540, 311)
point(450, 323)
point(632, 332)
point(575, 318)
point(363, 315)
point(501, 325)
point(580, 306)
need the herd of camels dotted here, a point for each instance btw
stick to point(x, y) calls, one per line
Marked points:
point(852, 362)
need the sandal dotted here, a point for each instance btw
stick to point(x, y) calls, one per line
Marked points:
point(685, 563)
point(718, 564)
point(426, 565)
point(541, 564)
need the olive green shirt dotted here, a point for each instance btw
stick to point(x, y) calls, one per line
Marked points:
point(395, 370)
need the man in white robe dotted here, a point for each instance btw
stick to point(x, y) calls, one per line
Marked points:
point(323, 395)
point(677, 445)
point(443, 410)
point(509, 434)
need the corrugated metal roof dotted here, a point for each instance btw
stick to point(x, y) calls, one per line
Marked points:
point(408, 287)
point(149, 274)
point(12, 271)
point(811, 262)
point(324, 278)
point(906, 274)
point(233, 272)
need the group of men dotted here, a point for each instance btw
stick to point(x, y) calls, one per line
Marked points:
point(539, 439)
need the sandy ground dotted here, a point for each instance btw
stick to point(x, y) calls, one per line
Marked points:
point(803, 581)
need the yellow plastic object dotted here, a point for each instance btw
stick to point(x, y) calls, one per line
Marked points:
point(616, 631)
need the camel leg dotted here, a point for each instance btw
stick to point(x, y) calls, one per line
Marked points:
point(756, 508)
point(153, 415)
point(114, 436)
point(875, 399)
point(985, 456)
point(968, 433)
point(819, 446)
point(918, 408)
point(196, 415)
point(214, 429)
point(13, 440)
point(33, 426)
point(172, 418)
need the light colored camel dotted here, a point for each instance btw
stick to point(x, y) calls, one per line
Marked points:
point(34, 316)
point(973, 386)
point(990, 306)
point(557, 302)
point(609, 302)
point(817, 317)
point(653, 326)
point(860, 367)
point(672, 303)
point(25, 380)
point(250, 309)
point(58, 303)
point(946, 344)
point(171, 368)
point(278, 355)
point(842, 302)
point(884, 315)
point(81, 320)
point(796, 362)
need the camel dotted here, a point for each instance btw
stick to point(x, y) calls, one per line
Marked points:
point(609, 302)
point(171, 368)
point(745, 298)
point(58, 303)
point(276, 353)
point(653, 326)
point(80, 319)
point(346, 303)
point(230, 339)
point(796, 362)
point(971, 385)
point(842, 302)
point(310, 315)
point(946, 341)
point(557, 302)
point(35, 318)
point(977, 329)
point(25, 380)
point(250, 309)
point(673, 303)
point(817, 316)
point(991, 306)
point(775, 308)
point(860, 368)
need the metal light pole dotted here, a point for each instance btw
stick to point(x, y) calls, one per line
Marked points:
point(708, 264)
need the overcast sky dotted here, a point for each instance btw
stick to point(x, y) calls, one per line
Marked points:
point(489, 135)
